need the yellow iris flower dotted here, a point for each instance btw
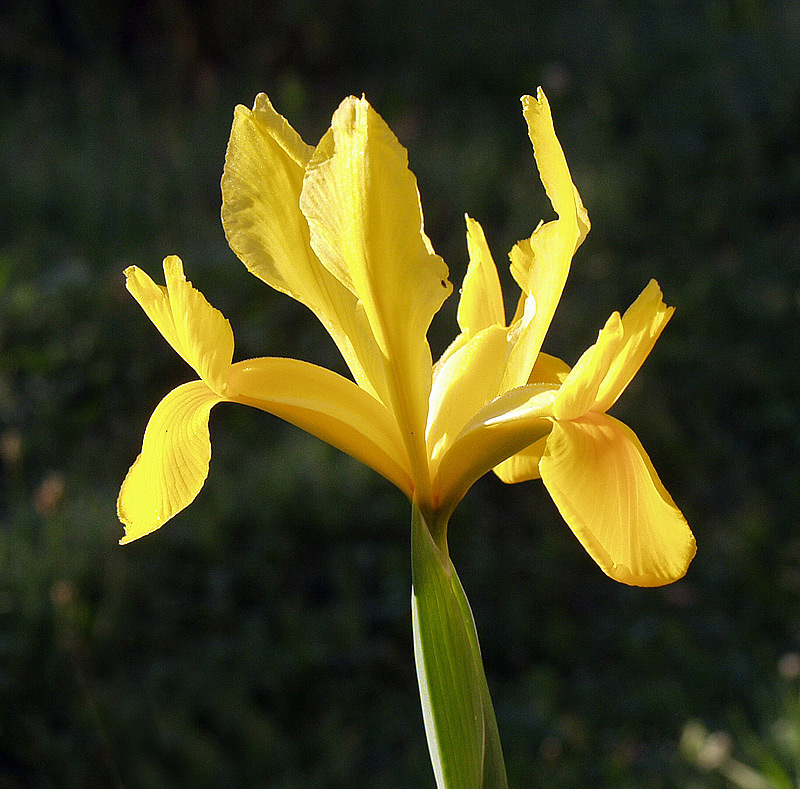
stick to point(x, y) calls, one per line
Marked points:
point(339, 228)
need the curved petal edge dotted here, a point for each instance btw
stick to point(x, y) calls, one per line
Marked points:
point(608, 492)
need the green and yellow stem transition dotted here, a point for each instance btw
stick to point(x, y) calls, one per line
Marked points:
point(339, 228)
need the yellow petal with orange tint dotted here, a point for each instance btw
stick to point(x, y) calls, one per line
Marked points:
point(523, 466)
point(608, 492)
point(173, 464)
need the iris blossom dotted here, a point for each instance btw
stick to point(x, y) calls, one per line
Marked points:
point(339, 228)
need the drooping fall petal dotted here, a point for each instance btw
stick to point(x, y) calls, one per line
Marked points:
point(642, 324)
point(363, 211)
point(196, 330)
point(481, 302)
point(328, 406)
point(173, 464)
point(261, 185)
point(608, 492)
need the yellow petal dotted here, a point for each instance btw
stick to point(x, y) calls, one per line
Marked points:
point(481, 302)
point(261, 184)
point(502, 428)
point(196, 330)
point(462, 384)
point(264, 167)
point(154, 300)
point(329, 407)
point(549, 370)
point(578, 393)
point(607, 490)
point(173, 464)
point(362, 206)
point(552, 164)
point(642, 324)
point(540, 264)
point(524, 466)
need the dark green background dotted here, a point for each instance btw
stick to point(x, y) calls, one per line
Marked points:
point(263, 637)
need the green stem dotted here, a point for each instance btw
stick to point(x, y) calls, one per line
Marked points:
point(459, 719)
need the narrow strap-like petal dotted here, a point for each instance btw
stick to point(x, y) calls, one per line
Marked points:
point(362, 206)
point(578, 393)
point(608, 492)
point(481, 302)
point(196, 330)
point(552, 163)
point(642, 324)
point(328, 406)
point(540, 264)
point(173, 464)
point(261, 184)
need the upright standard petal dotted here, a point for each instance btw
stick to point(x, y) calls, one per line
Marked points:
point(261, 182)
point(197, 331)
point(481, 302)
point(607, 490)
point(173, 464)
point(264, 168)
point(540, 264)
point(363, 210)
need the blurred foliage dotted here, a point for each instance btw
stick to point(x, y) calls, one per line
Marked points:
point(764, 756)
point(263, 638)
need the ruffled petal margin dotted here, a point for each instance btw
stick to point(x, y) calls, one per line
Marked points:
point(173, 464)
point(608, 492)
point(541, 263)
point(199, 332)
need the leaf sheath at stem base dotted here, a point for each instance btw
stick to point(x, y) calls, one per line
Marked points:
point(459, 719)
